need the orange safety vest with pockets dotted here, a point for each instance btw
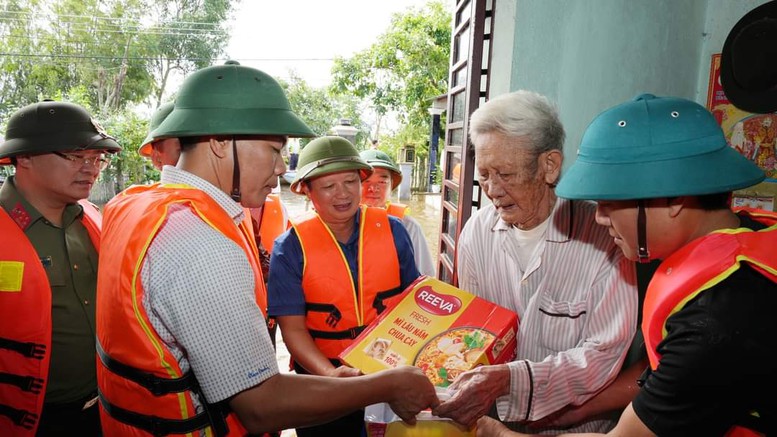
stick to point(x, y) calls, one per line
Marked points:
point(142, 389)
point(25, 324)
point(337, 309)
point(700, 265)
point(398, 210)
point(273, 222)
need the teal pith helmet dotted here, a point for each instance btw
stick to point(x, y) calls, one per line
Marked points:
point(159, 116)
point(50, 126)
point(655, 147)
point(327, 155)
point(231, 99)
point(378, 159)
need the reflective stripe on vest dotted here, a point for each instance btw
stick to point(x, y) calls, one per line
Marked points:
point(701, 265)
point(334, 319)
point(132, 220)
point(25, 325)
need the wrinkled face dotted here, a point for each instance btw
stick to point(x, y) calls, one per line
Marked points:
point(377, 188)
point(64, 178)
point(515, 180)
point(335, 196)
point(260, 165)
point(165, 152)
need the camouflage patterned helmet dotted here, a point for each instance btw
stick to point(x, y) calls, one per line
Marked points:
point(50, 126)
point(378, 159)
point(326, 155)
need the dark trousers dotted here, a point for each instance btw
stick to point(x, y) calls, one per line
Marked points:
point(351, 425)
point(293, 159)
point(70, 420)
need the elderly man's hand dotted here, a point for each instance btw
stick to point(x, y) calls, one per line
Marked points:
point(412, 392)
point(490, 427)
point(475, 393)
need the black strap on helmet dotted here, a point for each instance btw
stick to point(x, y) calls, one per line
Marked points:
point(642, 252)
point(235, 173)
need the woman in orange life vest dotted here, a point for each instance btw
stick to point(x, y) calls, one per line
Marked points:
point(338, 267)
point(376, 191)
point(662, 175)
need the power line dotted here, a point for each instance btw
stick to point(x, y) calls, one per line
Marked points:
point(95, 18)
point(142, 58)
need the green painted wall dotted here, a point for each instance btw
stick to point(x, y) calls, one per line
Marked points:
point(588, 55)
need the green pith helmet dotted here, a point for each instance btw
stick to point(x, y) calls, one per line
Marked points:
point(327, 155)
point(50, 126)
point(231, 99)
point(379, 159)
point(159, 116)
point(655, 147)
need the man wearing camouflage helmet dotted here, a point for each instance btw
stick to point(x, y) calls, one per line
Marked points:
point(161, 151)
point(50, 238)
point(337, 269)
point(662, 175)
point(181, 331)
point(376, 191)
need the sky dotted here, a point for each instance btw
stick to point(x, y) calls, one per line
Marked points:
point(305, 35)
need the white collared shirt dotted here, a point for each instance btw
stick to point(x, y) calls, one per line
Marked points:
point(576, 302)
point(200, 298)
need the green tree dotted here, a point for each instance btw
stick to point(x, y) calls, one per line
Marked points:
point(108, 56)
point(123, 51)
point(404, 70)
point(189, 34)
point(321, 110)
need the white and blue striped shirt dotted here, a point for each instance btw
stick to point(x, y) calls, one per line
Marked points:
point(576, 303)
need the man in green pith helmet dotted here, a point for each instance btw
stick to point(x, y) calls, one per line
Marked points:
point(376, 192)
point(161, 151)
point(337, 269)
point(662, 175)
point(49, 240)
point(181, 337)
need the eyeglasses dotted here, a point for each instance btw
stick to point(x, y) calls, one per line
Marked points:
point(99, 161)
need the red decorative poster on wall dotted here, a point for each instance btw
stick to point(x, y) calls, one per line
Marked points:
point(753, 135)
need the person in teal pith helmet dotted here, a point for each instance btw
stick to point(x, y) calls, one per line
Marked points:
point(662, 176)
point(49, 244)
point(181, 334)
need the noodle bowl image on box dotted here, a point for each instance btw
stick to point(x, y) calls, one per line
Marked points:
point(439, 328)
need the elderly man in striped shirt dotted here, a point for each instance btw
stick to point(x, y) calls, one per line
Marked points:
point(546, 259)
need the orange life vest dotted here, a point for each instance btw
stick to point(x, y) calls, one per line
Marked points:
point(398, 210)
point(141, 386)
point(337, 309)
point(700, 265)
point(25, 324)
point(273, 221)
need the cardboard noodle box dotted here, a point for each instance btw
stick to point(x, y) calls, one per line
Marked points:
point(381, 421)
point(441, 329)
